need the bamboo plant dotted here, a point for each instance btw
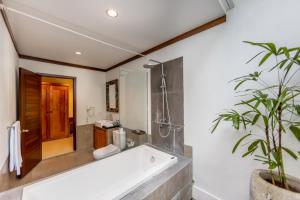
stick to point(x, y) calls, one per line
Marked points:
point(268, 111)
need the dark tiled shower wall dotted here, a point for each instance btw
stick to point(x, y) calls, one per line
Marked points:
point(174, 79)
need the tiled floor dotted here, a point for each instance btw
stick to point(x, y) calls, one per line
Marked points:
point(47, 168)
point(57, 147)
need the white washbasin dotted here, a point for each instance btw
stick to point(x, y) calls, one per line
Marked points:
point(104, 122)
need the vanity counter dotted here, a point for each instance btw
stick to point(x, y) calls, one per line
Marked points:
point(103, 136)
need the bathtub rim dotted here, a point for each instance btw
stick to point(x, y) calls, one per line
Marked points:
point(168, 160)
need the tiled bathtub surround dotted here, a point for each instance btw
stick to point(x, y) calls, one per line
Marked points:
point(174, 79)
point(138, 139)
point(175, 183)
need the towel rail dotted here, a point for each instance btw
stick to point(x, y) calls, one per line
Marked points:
point(12, 124)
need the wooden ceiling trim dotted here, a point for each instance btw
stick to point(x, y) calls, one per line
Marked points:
point(178, 38)
point(60, 63)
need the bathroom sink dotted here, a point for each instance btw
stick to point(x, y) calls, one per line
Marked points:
point(104, 122)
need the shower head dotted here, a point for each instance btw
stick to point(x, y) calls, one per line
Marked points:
point(151, 64)
point(147, 66)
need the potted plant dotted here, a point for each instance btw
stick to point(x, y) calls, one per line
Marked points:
point(267, 111)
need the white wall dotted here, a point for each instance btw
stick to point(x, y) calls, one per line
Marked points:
point(90, 87)
point(211, 59)
point(8, 73)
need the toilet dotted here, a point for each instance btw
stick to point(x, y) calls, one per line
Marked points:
point(119, 143)
point(104, 152)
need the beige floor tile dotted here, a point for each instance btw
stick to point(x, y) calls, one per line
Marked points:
point(47, 167)
point(57, 147)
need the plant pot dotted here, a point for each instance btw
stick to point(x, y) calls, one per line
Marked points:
point(260, 189)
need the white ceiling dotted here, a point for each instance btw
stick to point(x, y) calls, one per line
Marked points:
point(141, 24)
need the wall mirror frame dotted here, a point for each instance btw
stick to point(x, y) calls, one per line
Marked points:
point(112, 96)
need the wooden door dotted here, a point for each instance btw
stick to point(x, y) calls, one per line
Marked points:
point(59, 111)
point(29, 116)
point(55, 111)
point(45, 112)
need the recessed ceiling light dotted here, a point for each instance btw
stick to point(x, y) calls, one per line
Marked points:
point(78, 53)
point(112, 13)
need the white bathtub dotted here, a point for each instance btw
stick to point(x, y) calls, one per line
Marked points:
point(110, 178)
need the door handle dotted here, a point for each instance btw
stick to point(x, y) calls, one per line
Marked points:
point(25, 131)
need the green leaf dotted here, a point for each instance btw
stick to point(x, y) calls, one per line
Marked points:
point(269, 46)
point(254, 57)
point(249, 152)
point(283, 63)
point(294, 49)
point(297, 108)
point(296, 131)
point(265, 58)
point(266, 121)
point(288, 68)
point(290, 152)
point(272, 165)
point(247, 112)
point(218, 120)
point(263, 147)
point(263, 157)
point(256, 117)
point(239, 142)
point(263, 161)
point(268, 104)
point(236, 121)
point(244, 120)
point(286, 52)
point(272, 47)
point(257, 104)
point(280, 65)
point(297, 54)
point(258, 44)
point(248, 104)
point(253, 145)
point(239, 84)
point(276, 157)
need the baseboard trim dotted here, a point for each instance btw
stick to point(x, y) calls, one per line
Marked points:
point(201, 194)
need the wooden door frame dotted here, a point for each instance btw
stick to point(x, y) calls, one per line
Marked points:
point(74, 101)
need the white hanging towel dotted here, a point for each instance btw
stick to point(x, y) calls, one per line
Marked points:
point(15, 157)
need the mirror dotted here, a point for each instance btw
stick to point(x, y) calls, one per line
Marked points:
point(112, 96)
point(134, 100)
